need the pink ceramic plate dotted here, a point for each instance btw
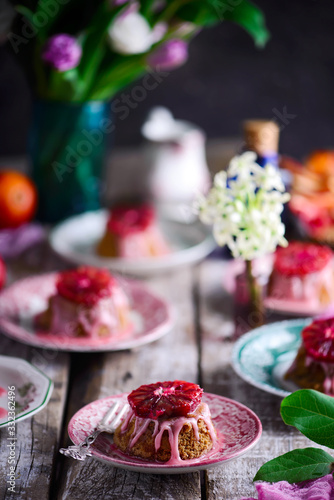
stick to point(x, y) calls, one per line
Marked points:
point(238, 428)
point(19, 303)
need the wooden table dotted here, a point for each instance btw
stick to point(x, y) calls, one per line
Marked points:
point(197, 349)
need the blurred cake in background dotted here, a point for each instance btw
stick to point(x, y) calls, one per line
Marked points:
point(302, 275)
point(88, 302)
point(312, 197)
point(313, 367)
point(132, 232)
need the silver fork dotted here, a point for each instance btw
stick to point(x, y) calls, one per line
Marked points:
point(109, 423)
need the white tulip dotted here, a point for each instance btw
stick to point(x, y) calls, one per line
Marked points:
point(130, 33)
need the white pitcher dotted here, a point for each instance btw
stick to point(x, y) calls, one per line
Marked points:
point(179, 171)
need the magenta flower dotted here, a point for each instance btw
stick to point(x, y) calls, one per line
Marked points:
point(170, 55)
point(62, 52)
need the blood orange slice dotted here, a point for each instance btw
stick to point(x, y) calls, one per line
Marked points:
point(299, 259)
point(126, 219)
point(85, 285)
point(168, 399)
point(318, 339)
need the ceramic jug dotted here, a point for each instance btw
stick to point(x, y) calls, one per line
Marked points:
point(178, 168)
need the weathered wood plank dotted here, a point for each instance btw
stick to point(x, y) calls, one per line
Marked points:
point(234, 479)
point(174, 356)
point(37, 437)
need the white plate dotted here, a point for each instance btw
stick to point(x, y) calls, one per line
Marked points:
point(263, 356)
point(238, 429)
point(151, 317)
point(32, 389)
point(76, 238)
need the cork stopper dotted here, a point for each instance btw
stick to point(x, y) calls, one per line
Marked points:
point(261, 136)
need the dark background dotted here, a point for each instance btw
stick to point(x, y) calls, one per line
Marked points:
point(226, 80)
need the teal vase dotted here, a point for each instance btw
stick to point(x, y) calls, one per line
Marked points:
point(67, 153)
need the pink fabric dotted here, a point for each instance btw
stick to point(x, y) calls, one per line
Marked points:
point(319, 489)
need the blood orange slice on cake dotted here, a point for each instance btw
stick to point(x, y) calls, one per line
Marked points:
point(169, 399)
point(85, 285)
point(299, 259)
point(318, 340)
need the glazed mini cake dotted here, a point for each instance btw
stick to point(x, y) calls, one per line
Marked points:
point(312, 196)
point(88, 302)
point(132, 232)
point(316, 214)
point(302, 273)
point(313, 367)
point(167, 422)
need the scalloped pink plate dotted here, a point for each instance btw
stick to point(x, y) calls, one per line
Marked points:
point(151, 317)
point(238, 429)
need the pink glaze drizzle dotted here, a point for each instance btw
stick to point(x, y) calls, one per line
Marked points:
point(66, 315)
point(172, 426)
point(3, 392)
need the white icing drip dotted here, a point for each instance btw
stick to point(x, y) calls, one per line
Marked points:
point(173, 426)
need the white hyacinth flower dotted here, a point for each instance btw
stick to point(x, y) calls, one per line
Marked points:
point(244, 206)
point(267, 178)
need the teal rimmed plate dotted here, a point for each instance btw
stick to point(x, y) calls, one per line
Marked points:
point(24, 390)
point(262, 356)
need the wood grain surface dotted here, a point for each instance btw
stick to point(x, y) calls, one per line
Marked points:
point(233, 480)
point(37, 437)
point(175, 356)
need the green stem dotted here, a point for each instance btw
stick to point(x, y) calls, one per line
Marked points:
point(171, 10)
point(255, 294)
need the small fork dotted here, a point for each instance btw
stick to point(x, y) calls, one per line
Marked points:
point(109, 423)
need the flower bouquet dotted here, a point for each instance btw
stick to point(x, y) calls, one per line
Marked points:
point(78, 56)
point(244, 206)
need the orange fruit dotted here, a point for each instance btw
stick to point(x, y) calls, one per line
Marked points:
point(321, 161)
point(18, 199)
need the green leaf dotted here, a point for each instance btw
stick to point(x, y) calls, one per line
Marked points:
point(248, 16)
point(43, 17)
point(94, 46)
point(62, 85)
point(118, 77)
point(312, 413)
point(209, 12)
point(25, 12)
point(202, 13)
point(295, 466)
point(146, 9)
